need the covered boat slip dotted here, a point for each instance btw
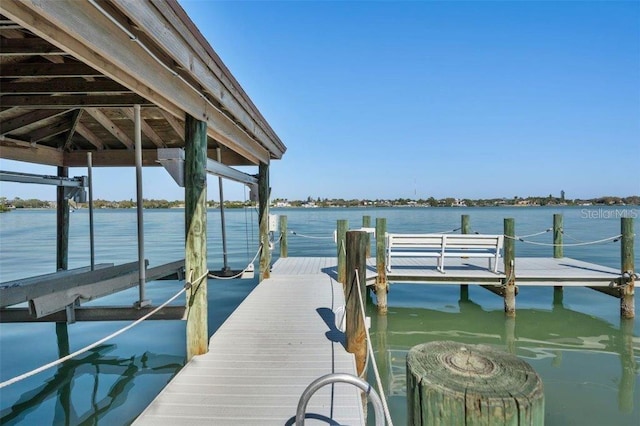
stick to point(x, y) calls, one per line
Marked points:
point(281, 338)
point(114, 83)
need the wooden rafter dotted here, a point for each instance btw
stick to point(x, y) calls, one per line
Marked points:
point(106, 122)
point(82, 130)
point(66, 85)
point(33, 46)
point(48, 70)
point(27, 119)
point(50, 130)
point(146, 128)
point(66, 101)
point(176, 125)
point(75, 120)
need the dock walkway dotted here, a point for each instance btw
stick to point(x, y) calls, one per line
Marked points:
point(281, 338)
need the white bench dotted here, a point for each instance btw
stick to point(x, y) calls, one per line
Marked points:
point(444, 245)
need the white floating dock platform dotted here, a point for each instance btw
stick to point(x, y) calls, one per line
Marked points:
point(281, 338)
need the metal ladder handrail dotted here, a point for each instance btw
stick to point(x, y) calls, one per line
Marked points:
point(343, 378)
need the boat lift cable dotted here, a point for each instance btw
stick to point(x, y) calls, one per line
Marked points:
point(385, 407)
point(239, 274)
point(104, 339)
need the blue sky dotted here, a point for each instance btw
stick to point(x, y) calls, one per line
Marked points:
point(417, 99)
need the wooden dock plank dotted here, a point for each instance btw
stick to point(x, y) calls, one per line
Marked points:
point(281, 338)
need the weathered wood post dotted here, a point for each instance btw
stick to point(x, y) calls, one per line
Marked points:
point(196, 235)
point(284, 246)
point(450, 383)
point(263, 218)
point(62, 220)
point(341, 233)
point(356, 264)
point(366, 223)
point(382, 284)
point(627, 302)
point(510, 267)
point(558, 290)
point(465, 228)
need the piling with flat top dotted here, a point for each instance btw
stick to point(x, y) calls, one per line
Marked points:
point(356, 263)
point(283, 237)
point(450, 383)
point(627, 268)
point(557, 254)
point(465, 228)
point(366, 223)
point(196, 235)
point(382, 285)
point(510, 267)
point(341, 232)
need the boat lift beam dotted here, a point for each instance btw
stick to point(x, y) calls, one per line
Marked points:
point(172, 159)
point(73, 187)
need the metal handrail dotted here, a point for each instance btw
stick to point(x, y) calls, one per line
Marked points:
point(343, 378)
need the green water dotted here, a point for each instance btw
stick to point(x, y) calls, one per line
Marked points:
point(587, 358)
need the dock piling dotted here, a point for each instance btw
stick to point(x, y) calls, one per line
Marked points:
point(263, 218)
point(465, 228)
point(627, 301)
point(356, 263)
point(196, 234)
point(382, 285)
point(366, 223)
point(341, 232)
point(284, 246)
point(509, 267)
point(558, 290)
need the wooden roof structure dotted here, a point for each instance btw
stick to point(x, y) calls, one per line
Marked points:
point(71, 72)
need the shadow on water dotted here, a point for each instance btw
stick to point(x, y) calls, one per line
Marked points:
point(573, 353)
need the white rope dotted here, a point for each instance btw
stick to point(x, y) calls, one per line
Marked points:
point(99, 342)
point(387, 414)
point(309, 236)
point(604, 240)
point(239, 274)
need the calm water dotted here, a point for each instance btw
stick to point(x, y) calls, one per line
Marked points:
point(587, 358)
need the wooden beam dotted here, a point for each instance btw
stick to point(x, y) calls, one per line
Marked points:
point(66, 101)
point(30, 153)
point(80, 29)
point(83, 131)
point(263, 221)
point(146, 129)
point(106, 122)
point(32, 46)
point(66, 86)
point(48, 70)
point(31, 117)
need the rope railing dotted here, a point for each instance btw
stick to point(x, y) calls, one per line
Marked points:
point(101, 341)
point(239, 274)
point(448, 231)
point(613, 239)
point(385, 407)
point(314, 237)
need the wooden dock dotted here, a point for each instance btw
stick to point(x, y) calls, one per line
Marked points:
point(281, 338)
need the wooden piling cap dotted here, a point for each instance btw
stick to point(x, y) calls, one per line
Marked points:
point(458, 367)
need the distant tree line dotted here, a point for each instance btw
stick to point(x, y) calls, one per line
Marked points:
point(33, 203)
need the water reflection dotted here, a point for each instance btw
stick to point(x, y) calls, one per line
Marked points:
point(118, 374)
point(555, 342)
